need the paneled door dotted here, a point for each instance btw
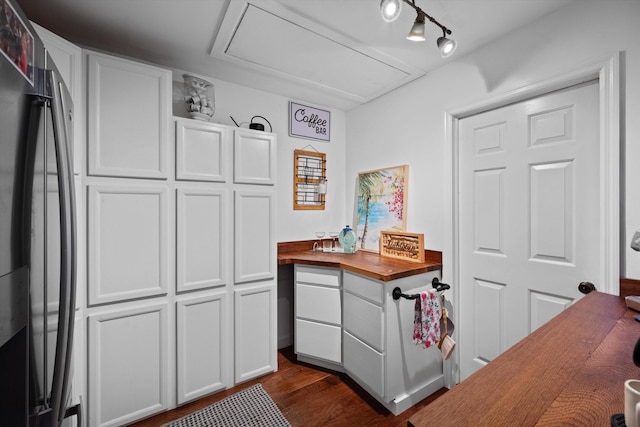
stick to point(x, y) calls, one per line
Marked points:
point(529, 217)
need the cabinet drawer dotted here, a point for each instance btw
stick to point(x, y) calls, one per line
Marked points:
point(364, 363)
point(318, 303)
point(364, 320)
point(364, 287)
point(318, 276)
point(319, 340)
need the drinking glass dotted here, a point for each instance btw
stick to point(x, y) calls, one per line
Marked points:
point(333, 235)
point(317, 247)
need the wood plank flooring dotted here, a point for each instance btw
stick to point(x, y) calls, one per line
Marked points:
point(308, 396)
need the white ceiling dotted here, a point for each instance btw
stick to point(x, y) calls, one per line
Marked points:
point(334, 53)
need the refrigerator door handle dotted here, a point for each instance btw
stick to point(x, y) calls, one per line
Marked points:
point(61, 109)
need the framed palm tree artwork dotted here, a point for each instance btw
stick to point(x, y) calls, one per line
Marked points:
point(381, 199)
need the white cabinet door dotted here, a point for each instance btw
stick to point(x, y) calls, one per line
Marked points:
point(255, 330)
point(128, 364)
point(129, 234)
point(201, 151)
point(202, 336)
point(201, 238)
point(254, 157)
point(129, 118)
point(255, 242)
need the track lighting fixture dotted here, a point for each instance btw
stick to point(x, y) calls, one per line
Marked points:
point(390, 10)
point(417, 30)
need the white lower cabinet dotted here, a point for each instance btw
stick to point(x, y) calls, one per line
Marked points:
point(128, 358)
point(202, 332)
point(379, 352)
point(318, 313)
point(256, 334)
point(353, 322)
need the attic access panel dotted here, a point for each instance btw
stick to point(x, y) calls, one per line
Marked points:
point(277, 40)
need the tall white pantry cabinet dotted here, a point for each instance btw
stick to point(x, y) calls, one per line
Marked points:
point(181, 248)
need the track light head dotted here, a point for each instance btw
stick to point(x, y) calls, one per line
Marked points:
point(390, 9)
point(417, 30)
point(446, 46)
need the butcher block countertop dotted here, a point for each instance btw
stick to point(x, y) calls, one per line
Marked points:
point(369, 264)
point(570, 371)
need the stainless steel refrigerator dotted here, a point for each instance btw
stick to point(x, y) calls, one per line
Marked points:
point(37, 230)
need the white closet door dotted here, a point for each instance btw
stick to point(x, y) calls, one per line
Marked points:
point(530, 224)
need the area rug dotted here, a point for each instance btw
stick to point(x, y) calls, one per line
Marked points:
point(252, 407)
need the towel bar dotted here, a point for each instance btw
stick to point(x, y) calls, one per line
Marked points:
point(437, 285)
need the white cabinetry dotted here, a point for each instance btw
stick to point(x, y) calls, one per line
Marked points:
point(129, 240)
point(129, 118)
point(318, 314)
point(255, 330)
point(201, 151)
point(182, 261)
point(351, 323)
point(202, 238)
point(255, 252)
point(254, 157)
point(202, 350)
point(128, 351)
point(379, 352)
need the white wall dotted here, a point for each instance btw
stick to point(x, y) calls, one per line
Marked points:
point(407, 125)
point(243, 103)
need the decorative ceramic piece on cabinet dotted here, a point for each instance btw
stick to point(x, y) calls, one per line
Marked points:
point(198, 97)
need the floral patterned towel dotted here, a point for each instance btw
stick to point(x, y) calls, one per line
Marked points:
point(426, 331)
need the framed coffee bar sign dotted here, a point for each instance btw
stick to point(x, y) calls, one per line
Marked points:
point(309, 122)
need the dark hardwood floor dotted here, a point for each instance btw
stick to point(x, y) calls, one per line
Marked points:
point(308, 396)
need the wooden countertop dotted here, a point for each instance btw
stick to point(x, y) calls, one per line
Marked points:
point(368, 264)
point(570, 371)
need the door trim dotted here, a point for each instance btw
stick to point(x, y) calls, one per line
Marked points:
point(607, 72)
